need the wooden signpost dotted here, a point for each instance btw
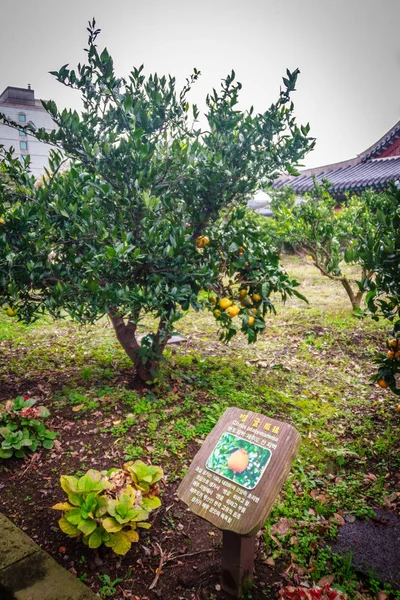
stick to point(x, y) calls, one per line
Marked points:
point(233, 482)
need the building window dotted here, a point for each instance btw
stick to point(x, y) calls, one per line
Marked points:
point(22, 133)
point(22, 117)
point(23, 146)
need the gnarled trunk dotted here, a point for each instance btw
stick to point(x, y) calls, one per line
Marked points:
point(355, 299)
point(126, 335)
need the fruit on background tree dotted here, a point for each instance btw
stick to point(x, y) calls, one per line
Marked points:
point(141, 208)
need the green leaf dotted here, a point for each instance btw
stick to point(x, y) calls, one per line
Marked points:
point(119, 542)
point(69, 483)
point(68, 528)
point(110, 252)
point(87, 526)
point(111, 525)
point(150, 504)
point(74, 516)
point(96, 538)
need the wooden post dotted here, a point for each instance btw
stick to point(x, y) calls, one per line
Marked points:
point(237, 563)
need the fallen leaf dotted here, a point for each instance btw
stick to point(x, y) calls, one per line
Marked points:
point(327, 580)
point(77, 408)
point(282, 527)
point(339, 518)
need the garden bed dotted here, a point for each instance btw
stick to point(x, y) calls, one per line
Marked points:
point(311, 369)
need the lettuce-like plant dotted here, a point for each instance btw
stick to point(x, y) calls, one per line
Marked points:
point(107, 507)
point(22, 429)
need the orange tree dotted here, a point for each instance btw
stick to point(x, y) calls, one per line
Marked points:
point(381, 254)
point(141, 208)
point(332, 235)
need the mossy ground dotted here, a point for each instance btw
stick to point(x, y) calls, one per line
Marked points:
point(311, 368)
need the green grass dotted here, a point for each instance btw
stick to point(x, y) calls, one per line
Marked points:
point(311, 368)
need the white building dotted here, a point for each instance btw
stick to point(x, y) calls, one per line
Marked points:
point(20, 105)
point(261, 204)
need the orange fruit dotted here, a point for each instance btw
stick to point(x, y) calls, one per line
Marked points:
point(391, 354)
point(225, 303)
point(202, 241)
point(243, 293)
point(254, 310)
point(256, 297)
point(2, 221)
point(11, 312)
point(212, 299)
point(397, 355)
point(216, 313)
point(232, 311)
point(238, 460)
point(393, 343)
point(382, 383)
point(251, 321)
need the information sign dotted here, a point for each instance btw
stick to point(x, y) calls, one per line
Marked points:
point(237, 474)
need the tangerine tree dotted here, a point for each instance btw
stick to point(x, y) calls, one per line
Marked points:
point(331, 234)
point(381, 254)
point(142, 208)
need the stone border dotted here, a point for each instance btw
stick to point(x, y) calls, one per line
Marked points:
point(27, 572)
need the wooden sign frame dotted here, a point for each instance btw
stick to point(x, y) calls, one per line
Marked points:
point(240, 499)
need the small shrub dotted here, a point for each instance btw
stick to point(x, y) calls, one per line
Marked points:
point(107, 507)
point(22, 429)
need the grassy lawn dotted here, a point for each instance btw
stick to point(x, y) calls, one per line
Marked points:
point(311, 369)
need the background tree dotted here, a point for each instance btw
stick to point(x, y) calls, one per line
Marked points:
point(330, 234)
point(380, 253)
point(149, 211)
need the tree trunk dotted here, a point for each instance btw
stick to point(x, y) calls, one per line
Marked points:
point(126, 335)
point(355, 299)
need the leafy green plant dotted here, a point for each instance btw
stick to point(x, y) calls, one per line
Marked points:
point(109, 588)
point(146, 213)
point(22, 429)
point(107, 507)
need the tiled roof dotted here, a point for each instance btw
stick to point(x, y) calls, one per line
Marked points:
point(379, 146)
point(373, 173)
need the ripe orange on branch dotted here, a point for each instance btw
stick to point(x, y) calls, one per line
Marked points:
point(232, 311)
point(225, 302)
point(202, 241)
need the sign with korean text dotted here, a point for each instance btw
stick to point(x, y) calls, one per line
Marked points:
point(237, 474)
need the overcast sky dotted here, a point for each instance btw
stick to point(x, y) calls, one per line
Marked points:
point(348, 52)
